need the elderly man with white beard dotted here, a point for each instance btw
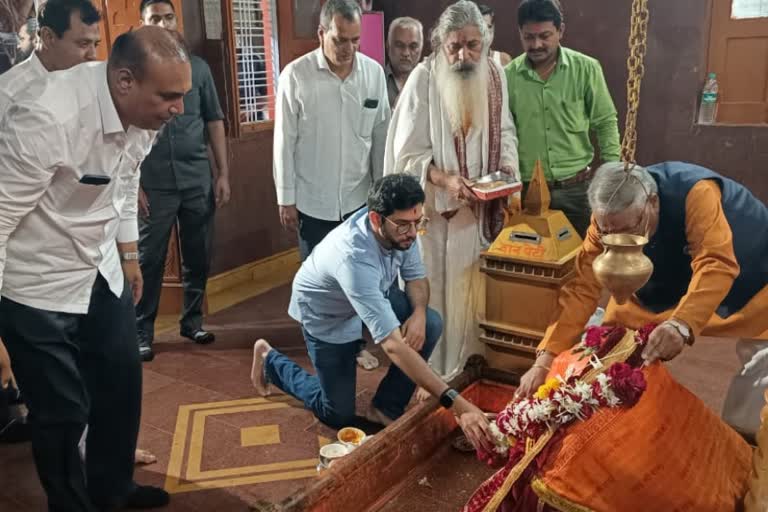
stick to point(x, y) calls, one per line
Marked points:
point(451, 126)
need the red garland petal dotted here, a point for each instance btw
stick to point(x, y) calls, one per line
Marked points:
point(627, 383)
point(594, 337)
point(642, 335)
point(613, 337)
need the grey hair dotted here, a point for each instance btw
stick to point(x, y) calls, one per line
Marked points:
point(612, 191)
point(350, 10)
point(456, 17)
point(405, 22)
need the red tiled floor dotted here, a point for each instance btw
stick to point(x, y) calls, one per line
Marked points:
point(20, 484)
point(707, 369)
point(153, 381)
point(159, 407)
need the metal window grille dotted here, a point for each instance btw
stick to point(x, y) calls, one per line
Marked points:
point(256, 58)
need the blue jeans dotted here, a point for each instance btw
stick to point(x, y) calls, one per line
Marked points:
point(330, 394)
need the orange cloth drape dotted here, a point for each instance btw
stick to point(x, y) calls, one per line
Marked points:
point(668, 452)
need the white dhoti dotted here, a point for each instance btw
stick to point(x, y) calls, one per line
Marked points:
point(420, 135)
point(457, 289)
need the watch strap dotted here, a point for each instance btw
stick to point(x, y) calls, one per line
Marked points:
point(129, 256)
point(448, 397)
point(684, 331)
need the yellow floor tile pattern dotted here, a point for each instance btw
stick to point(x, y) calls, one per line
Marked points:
point(188, 455)
point(260, 436)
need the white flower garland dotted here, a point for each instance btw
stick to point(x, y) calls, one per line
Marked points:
point(570, 401)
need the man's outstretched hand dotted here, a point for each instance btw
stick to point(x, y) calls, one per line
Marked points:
point(474, 424)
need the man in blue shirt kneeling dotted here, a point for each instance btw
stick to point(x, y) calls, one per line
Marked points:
point(350, 279)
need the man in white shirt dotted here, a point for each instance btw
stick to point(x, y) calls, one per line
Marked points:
point(330, 128)
point(70, 35)
point(70, 151)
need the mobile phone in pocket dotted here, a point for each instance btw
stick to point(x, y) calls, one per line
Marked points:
point(95, 179)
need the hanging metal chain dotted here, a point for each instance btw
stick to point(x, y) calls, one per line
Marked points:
point(638, 37)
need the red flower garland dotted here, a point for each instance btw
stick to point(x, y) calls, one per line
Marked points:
point(625, 383)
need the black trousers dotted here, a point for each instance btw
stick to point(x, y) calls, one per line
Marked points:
point(77, 370)
point(194, 208)
point(312, 231)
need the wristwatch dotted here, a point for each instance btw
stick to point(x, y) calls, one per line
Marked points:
point(129, 256)
point(448, 397)
point(683, 329)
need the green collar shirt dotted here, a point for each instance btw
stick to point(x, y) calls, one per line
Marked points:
point(554, 118)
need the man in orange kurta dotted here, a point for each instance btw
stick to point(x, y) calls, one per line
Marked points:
point(708, 241)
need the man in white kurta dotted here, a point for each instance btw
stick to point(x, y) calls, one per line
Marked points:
point(451, 126)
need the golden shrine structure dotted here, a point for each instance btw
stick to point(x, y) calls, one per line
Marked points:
point(525, 268)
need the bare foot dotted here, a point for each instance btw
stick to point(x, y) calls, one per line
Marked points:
point(144, 457)
point(260, 350)
point(367, 361)
point(422, 395)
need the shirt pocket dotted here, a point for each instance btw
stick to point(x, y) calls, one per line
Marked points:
point(78, 198)
point(574, 115)
point(367, 121)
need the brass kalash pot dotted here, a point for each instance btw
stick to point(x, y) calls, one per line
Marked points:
point(622, 268)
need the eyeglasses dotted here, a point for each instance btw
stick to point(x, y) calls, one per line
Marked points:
point(404, 227)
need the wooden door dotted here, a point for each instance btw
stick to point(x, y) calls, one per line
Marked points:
point(102, 51)
point(297, 27)
point(738, 53)
point(123, 15)
point(120, 16)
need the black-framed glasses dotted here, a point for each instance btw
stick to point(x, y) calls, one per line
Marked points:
point(404, 227)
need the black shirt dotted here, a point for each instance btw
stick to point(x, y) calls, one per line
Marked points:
point(179, 159)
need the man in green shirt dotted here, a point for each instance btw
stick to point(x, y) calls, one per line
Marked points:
point(557, 97)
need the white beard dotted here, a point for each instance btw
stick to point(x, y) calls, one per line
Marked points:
point(464, 94)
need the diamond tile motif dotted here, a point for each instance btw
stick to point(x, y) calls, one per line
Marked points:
point(185, 468)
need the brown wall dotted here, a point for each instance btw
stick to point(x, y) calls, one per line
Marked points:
point(248, 228)
point(675, 70)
